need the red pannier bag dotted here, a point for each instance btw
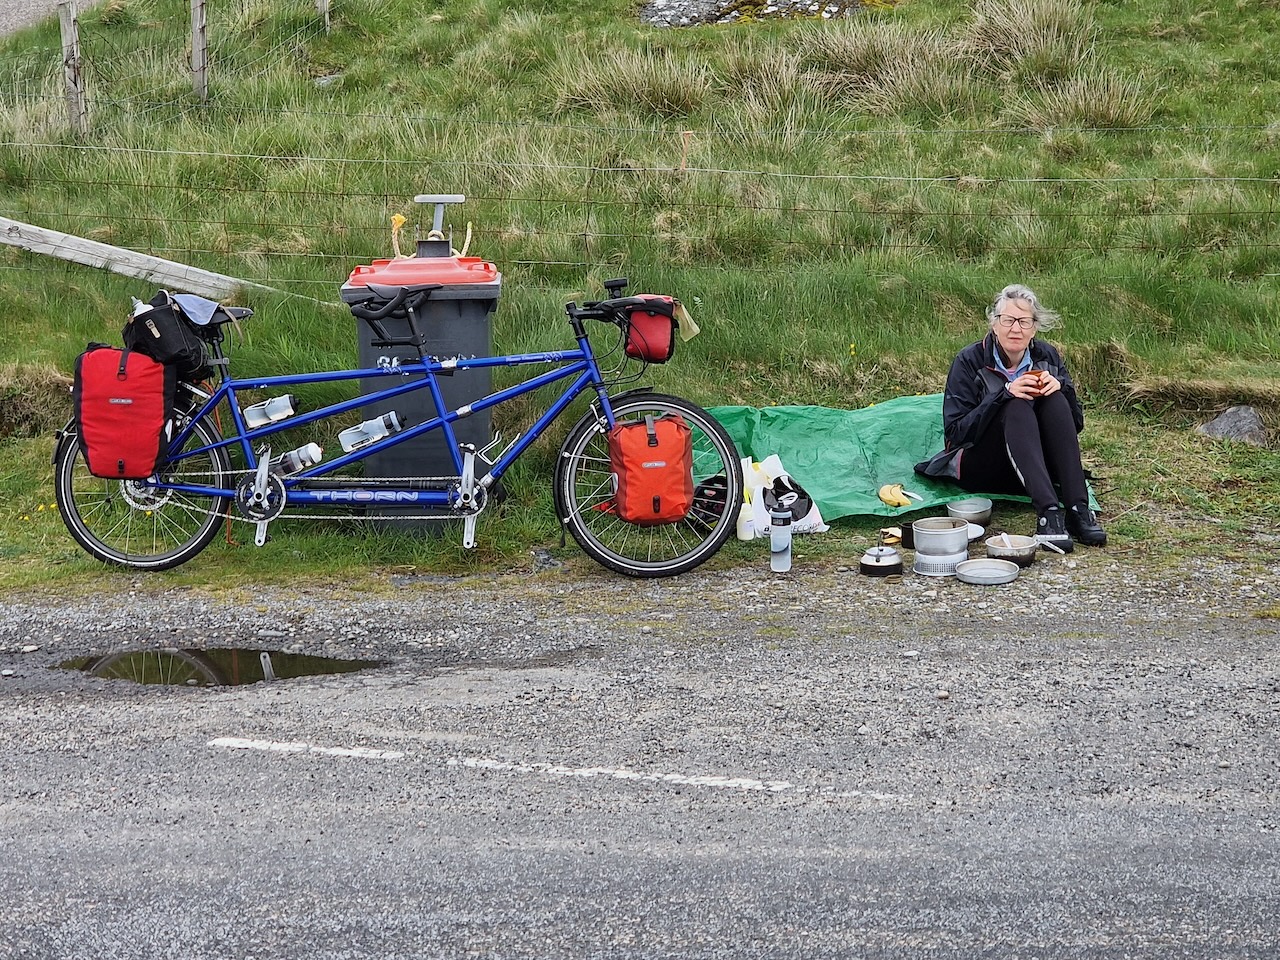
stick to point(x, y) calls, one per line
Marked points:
point(124, 408)
point(651, 329)
point(653, 462)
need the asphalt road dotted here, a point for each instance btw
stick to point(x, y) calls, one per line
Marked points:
point(569, 764)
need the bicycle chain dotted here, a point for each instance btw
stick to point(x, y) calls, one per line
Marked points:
point(313, 515)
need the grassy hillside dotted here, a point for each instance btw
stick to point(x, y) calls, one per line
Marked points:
point(836, 200)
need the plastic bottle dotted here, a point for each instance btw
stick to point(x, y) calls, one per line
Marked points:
point(307, 455)
point(369, 431)
point(269, 411)
point(780, 540)
point(746, 528)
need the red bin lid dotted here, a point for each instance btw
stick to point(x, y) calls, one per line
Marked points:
point(412, 271)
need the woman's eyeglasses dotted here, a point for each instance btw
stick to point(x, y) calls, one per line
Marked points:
point(1022, 323)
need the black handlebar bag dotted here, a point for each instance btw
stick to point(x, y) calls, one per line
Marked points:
point(124, 409)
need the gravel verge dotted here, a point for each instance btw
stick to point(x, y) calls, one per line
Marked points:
point(455, 619)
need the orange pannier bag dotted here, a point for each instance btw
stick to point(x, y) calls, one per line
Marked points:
point(653, 462)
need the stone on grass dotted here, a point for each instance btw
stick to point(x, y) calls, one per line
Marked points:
point(1236, 423)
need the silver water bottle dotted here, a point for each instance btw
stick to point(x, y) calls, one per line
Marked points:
point(780, 540)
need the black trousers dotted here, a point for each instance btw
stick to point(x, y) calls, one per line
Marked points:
point(1030, 448)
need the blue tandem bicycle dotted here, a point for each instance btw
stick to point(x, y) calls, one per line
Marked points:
point(218, 466)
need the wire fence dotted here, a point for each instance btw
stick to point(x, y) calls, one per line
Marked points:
point(583, 197)
point(298, 221)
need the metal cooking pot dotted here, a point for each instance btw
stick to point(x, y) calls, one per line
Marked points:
point(941, 536)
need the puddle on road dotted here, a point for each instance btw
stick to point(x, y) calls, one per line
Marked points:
point(211, 668)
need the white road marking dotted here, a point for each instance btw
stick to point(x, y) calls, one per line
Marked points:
point(730, 783)
point(277, 746)
point(550, 769)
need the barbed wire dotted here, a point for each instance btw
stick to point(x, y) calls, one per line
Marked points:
point(402, 118)
point(965, 179)
point(869, 208)
point(532, 282)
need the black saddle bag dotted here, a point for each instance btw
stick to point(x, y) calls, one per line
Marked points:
point(159, 330)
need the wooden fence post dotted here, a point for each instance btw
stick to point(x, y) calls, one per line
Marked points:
point(77, 112)
point(322, 8)
point(199, 51)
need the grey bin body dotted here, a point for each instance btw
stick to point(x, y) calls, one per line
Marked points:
point(455, 323)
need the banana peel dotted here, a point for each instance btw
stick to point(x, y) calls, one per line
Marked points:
point(893, 495)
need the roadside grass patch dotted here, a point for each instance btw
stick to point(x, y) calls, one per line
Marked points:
point(35, 399)
point(1037, 42)
point(836, 202)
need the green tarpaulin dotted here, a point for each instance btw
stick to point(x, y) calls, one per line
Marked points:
point(841, 457)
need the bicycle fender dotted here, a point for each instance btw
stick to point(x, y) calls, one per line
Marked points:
point(62, 437)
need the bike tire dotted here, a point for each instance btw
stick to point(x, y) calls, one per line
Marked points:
point(173, 668)
point(127, 523)
point(584, 491)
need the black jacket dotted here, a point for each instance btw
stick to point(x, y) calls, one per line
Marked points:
point(975, 390)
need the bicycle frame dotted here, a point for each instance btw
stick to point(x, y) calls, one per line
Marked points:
point(579, 364)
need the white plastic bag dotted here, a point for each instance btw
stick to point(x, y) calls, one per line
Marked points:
point(757, 476)
point(811, 522)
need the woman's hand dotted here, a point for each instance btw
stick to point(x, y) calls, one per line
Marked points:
point(1033, 384)
point(1025, 387)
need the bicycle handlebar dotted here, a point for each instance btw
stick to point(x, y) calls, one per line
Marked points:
point(606, 311)
point(405, 300)
point(380, 313)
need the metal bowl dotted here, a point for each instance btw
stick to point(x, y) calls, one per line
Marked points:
point(973, 509)
point(1008, 546)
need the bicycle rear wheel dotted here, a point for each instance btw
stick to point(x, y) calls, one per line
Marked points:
point(584, 489)
point(129, 523)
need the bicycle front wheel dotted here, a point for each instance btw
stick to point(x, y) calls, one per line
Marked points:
point(129, 523)
point(584, 491)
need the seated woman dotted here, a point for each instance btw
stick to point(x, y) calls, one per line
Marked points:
point(1010, 416)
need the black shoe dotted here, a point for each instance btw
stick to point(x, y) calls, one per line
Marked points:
point(1084, 526)
point(1051, 530)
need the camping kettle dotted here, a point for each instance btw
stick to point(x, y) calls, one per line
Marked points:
point(880, 561)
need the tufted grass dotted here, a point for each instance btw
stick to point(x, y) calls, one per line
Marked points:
point(836, 202)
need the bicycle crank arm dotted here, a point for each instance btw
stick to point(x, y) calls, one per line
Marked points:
point(259, 497)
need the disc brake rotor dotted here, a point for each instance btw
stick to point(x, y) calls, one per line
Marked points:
point(142, 497)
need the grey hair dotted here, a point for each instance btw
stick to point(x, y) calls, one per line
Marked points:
point(1044, 318)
